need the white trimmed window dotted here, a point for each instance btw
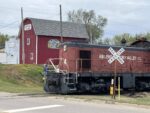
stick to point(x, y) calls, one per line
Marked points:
point(27, 27)
point(53, 43)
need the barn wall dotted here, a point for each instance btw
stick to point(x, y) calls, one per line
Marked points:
point(44, 52)
point(40, 54)
point(30, 50)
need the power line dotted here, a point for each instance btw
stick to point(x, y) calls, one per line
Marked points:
point(35, 10)
point(2, 27)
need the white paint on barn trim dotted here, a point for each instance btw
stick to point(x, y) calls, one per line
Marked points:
point(36, 49)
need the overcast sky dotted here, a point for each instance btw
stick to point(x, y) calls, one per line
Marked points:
point(124, 16)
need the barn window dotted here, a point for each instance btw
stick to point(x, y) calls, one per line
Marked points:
point(53, 43)
point(28, 41)
point(27, 27)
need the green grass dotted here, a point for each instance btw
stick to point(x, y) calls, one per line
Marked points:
point(27, 79)
point(20, 78)
point(15, 88)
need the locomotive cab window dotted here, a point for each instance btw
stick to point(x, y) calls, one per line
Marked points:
point(85, 60)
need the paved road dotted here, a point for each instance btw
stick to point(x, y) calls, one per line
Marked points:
point(11, 103)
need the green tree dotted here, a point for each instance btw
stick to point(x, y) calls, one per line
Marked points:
point(94, 24)
point(118, 38)
point(3, 38)
point(147, 36)
point(107, 41)
point(144, 35)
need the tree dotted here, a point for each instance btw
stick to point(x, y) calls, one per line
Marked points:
point(118, 38)
point(107, 41)
point(3, 38)
point(147, 36)
point(94, 24)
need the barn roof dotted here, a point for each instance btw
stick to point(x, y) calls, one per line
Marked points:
point(52, 28)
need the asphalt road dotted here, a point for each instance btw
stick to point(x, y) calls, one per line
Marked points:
point(12, 103)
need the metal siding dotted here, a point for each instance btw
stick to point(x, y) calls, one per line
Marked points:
point(102, 65)
point(12, 50)
point(2, 58)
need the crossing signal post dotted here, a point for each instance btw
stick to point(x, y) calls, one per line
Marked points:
point(115, 57)
point(112, 88)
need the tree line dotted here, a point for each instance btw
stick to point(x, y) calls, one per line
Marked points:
point(116, 40)
point(3, 38)
point(95, 28)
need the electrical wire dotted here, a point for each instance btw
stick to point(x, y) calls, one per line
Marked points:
point(2, 27)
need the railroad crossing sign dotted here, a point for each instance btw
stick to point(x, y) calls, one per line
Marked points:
point(116, 55)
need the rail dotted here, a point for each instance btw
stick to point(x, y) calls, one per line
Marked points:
point(84, 65)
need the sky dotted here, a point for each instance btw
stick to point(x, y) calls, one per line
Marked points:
point(124, 16)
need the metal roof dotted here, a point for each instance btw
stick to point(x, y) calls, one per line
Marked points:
point(52, 28)
point(141, 43)
point(86, 45)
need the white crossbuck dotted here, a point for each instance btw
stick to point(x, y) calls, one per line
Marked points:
point(116, 55)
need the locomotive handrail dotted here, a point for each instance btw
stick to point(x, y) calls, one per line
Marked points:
point(56, 68)
point(81, 63)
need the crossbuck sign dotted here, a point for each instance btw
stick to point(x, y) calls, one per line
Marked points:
point(116, 55)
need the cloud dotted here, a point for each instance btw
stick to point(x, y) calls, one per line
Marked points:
point(130, 16)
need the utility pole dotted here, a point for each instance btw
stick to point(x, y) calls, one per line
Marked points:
point(115, 75)
point(22, 29)
point(61, 32)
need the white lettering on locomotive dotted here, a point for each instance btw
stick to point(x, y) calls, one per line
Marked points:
point(130, 58)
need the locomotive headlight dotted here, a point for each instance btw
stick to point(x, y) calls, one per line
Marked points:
point(65, 47)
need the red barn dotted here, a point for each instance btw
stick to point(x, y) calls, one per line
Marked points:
point(42, 38)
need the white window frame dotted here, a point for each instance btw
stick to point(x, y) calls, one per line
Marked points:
point(53, 44)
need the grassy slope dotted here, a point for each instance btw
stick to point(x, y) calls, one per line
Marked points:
point(20, 78)
point(27, 79)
